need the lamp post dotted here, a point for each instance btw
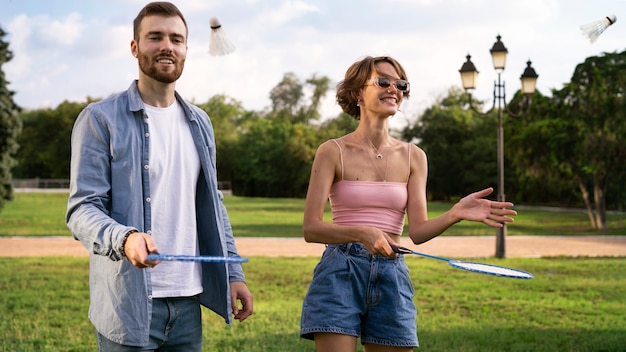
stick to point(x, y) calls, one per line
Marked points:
point(469, 76)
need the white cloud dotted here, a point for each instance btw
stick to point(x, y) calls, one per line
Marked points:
point(60, 32)
point(19, 30)
point(288, 11)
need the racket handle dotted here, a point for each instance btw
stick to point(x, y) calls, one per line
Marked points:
point(403, 250)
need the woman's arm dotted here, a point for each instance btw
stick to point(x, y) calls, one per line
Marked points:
point(472, 207)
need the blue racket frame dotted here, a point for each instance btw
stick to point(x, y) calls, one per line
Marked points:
point(459, 264)
point(196, 258)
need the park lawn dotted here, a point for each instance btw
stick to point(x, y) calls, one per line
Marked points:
point(43, 214)
point(572, 304)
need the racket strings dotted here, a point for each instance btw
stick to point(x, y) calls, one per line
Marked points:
point(491, 269)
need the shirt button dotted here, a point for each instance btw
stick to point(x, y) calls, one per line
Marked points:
point(149, 296)
point(146, 167)
point(147, 134)
point(148, 199)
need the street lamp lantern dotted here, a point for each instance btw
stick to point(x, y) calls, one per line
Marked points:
point(529, 79)
point(498, 54)
point(469, 76)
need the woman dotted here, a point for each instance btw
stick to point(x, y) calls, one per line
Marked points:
point(360, 287)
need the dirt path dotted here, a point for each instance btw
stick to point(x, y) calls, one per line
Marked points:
point(447, 246)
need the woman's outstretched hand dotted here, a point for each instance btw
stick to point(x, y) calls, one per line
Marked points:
point(474, 207)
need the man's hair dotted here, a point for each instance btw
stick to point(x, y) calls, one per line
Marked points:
point(355, 79)
point(162, 8)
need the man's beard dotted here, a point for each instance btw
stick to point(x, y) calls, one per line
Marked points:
point(147, 66)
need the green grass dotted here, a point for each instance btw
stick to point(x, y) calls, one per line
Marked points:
point(34, 214)
point(573, 304)
point(43, 214)
point(570, 305)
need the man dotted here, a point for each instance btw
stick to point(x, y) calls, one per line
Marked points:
point(143, 180)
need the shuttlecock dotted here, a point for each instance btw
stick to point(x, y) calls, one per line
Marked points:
point(219, 43)
point(593, 30)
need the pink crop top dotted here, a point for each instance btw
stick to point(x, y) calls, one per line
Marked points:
point(370, 203)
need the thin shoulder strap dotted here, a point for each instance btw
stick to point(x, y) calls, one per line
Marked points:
point(340, 155)
point(409, 175)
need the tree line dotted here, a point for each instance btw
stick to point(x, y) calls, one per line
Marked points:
point(567, 151)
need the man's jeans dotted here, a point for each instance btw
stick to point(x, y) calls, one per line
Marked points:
point(176, 326)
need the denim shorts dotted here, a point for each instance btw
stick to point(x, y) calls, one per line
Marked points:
point(355, 293)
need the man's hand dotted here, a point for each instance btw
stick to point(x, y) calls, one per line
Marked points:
point(239, 292)
point(137, 247)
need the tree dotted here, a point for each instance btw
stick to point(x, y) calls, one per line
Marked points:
point(286, 97)
point(580, 135)
point(460, 146)
point(536, 144)
point(274, 159)
point(52, 128)
point(595, 103)
point(289, 99)
point(275, 149)
point(337, 127)
point(228, 118)
point(10, 126)
point(320, 87)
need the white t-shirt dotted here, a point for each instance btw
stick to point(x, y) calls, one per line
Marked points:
point(174, 170)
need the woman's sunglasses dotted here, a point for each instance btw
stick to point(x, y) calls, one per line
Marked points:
point(384, 82)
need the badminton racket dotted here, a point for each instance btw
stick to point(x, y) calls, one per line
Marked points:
point(472, 266)
point(196, 258)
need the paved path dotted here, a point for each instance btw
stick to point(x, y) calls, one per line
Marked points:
point(447, 246)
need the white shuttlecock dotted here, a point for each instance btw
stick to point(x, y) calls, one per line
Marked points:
point(593, 30)
point(219, 43)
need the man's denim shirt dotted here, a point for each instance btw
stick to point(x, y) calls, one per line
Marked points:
point(110, 195)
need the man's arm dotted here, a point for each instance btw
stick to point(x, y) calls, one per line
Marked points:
point(88, 210)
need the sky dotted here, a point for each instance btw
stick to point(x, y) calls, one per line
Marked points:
point(74, 49)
